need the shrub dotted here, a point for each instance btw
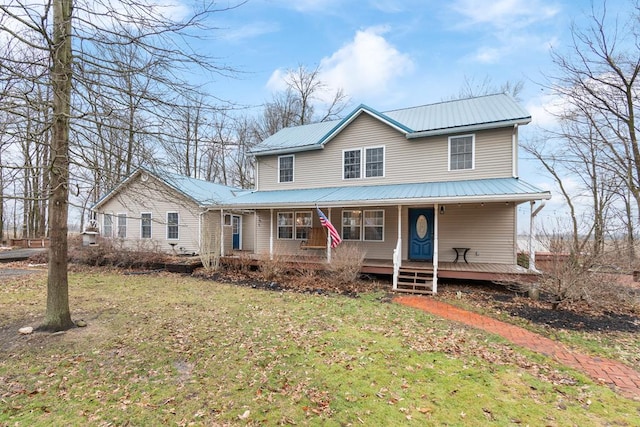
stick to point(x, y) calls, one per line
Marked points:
point(346, 263)
point(273, 267)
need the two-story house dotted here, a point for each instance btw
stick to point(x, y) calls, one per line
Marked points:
point(433, 188)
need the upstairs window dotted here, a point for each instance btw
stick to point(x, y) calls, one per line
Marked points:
point(461, 152)
point(173, 221)
point(145, 226)
point(351, 164)
point(374, 162)
point(285, 168)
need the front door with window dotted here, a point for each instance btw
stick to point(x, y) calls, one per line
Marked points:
point(421, 234)
point(236, 228)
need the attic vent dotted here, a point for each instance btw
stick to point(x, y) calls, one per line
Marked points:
point(144, 177)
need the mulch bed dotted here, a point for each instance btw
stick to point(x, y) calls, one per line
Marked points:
point(577, 316)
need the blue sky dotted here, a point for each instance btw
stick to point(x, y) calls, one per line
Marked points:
point(394, 54)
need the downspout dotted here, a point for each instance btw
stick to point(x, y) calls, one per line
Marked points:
point(532, 253)
point(436, 223)
point(271, 235)
point(221, 232)
point(514, 149)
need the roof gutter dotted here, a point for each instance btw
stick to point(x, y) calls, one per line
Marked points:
point(469, 128)
point(287, 150)
point(506, 198)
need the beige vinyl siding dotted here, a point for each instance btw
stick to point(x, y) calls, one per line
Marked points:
point(406, 161)
point(158, 199)
point(489, 232)
point(248, 231)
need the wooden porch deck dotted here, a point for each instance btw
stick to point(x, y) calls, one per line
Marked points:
point(457, 270)
point(446, 270)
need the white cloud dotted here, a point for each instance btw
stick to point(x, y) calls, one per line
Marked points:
point(248, 31)
point(504, 13)
point(368, 64)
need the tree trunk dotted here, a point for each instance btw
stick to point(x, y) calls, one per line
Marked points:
point(58, 315)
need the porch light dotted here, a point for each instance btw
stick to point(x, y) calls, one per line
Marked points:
point(442, 210)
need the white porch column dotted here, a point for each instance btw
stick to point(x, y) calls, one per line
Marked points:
point(436, 222)
point(532, 252)
point(221, 232)
point(271, 235)
point(397, 252)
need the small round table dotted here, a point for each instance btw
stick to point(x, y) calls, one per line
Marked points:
point(462, 251)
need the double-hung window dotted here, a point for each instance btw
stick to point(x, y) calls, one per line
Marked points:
point(461, 152)
point(364, 162)
point(374, 162)
point(107, 225)
point(374, 225)
point(303, 225)
point(122, 225)
point(285, 225)
point(145, 225)
point(285, 168)
point(351, 225)
point(363, 225)
point(294, 225)
point(352, 164)
point(173, 222)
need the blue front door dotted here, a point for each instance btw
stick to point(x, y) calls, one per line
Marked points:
point(236, 227)
point(421, 234)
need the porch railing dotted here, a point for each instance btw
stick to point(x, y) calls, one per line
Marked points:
point(397, 261)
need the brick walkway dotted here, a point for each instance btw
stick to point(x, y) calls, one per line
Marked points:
point(618, 376)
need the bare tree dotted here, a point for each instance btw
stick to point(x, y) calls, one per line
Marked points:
point(598, 78)
point(472, 88)
point(115, 72)
point(306, 99)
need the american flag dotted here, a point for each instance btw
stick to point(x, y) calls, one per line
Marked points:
point(335, 237)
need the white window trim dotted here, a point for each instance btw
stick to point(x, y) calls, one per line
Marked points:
point(293, 168)
point(342, 225)
point(150, 224)
point(167, 227)
point(364, 162)
point(293, 225)
point(104, 216)
point(473, 152)
point(343, 176)
point(126, 225)
point(364, 225)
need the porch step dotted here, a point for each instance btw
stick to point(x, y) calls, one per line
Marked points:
point(419, 281)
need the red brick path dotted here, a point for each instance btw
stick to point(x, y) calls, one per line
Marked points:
point(617, 375)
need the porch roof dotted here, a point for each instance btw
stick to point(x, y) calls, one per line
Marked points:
point(470, 191)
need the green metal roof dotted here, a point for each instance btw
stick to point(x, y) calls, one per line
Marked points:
point(464, 115)
point(202, 192)
point(479, 190)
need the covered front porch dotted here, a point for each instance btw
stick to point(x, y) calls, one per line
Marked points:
point(416, 233)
